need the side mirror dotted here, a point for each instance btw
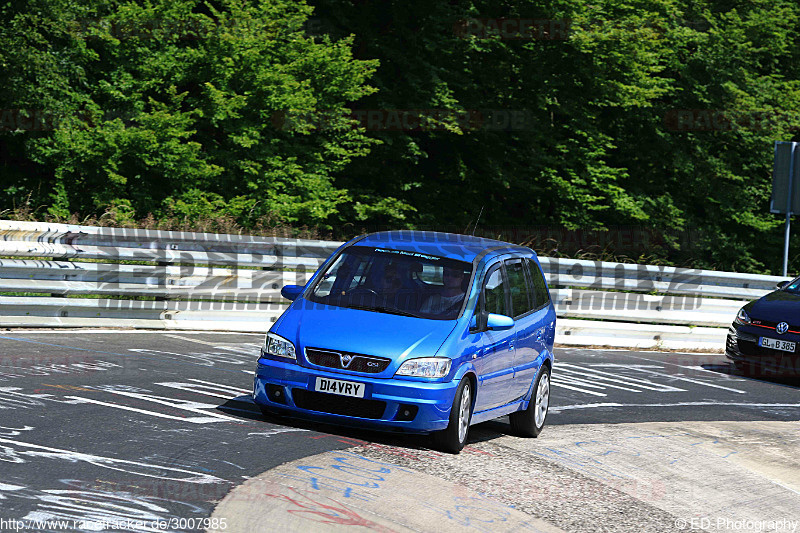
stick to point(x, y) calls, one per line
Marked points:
point(291, 292)
point(781, 284)
point(499, 322)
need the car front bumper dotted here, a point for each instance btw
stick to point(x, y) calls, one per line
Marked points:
point(742, 346)
point(287, 388)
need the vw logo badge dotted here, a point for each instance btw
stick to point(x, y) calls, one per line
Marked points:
point(346, 359)
point(781, 328)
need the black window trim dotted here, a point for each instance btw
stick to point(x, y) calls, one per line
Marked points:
point(499, 265)
point(527, 284)
point(530, 261)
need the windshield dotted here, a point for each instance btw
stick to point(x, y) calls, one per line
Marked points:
point(394, 281)
point(793, 287)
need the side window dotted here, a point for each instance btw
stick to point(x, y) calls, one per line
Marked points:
point(539, 285)
point(494, 293)
point(520, 298)
point(343, 275)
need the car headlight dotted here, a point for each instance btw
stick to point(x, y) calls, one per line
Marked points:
point(742, 317)
point(425, 367)
point(278, 346)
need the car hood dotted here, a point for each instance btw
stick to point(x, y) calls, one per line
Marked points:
point(777, 306)
point(365, 332)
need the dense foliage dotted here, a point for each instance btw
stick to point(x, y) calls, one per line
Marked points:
point(649, 122)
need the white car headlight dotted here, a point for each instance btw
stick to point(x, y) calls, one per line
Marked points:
point(425, 367)
point(278, 346)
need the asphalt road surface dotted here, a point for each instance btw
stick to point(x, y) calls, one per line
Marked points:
point(106, 428)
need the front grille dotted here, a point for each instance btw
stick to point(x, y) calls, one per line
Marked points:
point(358, 362)
point(338, 405)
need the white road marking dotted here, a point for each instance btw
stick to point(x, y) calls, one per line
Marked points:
point(276, 431)
point(570, 377)
point(689, 380)
point(245, 391)
point(190, 340)
point(677, 404)
point(584, 406)
point(558, 384)
point(216, 345)
point(107, 462)
point(207, 388)
point(726, 377)
point(191, 419)
point(608, 376)
point(622, 365)
point(127, 331)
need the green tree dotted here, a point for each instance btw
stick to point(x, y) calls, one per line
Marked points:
point(171, 101)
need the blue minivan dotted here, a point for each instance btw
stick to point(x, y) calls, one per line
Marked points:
point(415, 331)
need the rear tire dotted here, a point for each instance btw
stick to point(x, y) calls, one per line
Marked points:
point(453, 439)
point(529, 423)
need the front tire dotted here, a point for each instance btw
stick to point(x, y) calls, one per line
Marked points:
point(529, 423)
point(453, 439)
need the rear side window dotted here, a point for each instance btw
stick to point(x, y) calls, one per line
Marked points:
point(539, 285)
point(494, 293)
point(521, 301)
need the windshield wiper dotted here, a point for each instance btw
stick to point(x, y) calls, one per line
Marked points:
point(385, 309)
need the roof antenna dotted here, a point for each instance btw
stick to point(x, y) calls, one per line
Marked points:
point(476, 222)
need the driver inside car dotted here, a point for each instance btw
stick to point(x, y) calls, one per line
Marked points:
point(451, 295)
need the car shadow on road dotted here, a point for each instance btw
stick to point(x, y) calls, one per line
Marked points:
point(755, 375)
point(244, 408)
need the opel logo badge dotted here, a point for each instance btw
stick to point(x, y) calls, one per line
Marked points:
point(782, 328)
point(345, 359)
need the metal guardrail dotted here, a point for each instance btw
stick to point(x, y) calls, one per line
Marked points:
point(63, 241)
point(92, 276)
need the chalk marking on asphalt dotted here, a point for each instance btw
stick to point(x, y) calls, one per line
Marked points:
point(214, 417)
point(216, 345)
point(245, 391)
point(207, 388)
point(276, 431)
point(99, 460)
point(138, 355)
point(198, 341)
point(690, 380)
point(183, 405)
